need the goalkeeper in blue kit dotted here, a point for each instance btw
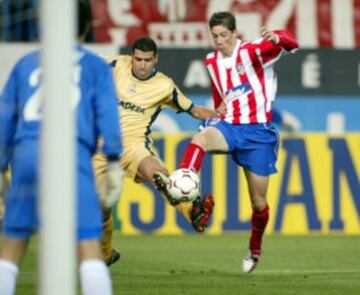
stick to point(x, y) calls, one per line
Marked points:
point(20, 125)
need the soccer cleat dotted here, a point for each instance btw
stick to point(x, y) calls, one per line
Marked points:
point(161, 182)
point(250, 262)
point(202, 209)
point(115, 256)
point(201, 212)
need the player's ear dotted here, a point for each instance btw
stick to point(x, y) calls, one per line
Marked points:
point(156, 58)
point(238, 35)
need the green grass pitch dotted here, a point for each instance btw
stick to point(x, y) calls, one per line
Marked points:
point(202, 264)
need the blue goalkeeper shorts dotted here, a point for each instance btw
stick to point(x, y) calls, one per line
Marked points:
point(21, 218)
point(252, 146)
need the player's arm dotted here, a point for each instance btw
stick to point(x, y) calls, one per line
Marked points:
point(281, 38)
point(217, 99)
point(110, 58)
point(106, 110)
point(184, 104)
point(286, 40)
point(8, 118)
point(219, 103)
point(108, 123)
point(274, 43)
point(202, 113)
point(216, 95)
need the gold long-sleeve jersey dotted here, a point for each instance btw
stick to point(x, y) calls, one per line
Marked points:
point(140, 101)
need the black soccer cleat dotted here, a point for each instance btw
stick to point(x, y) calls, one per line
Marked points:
point(115, 256)
point(161, 182)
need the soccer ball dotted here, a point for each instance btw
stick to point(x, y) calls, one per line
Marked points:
point(184, 185)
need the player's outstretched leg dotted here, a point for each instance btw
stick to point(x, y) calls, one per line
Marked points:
point(161, 182)
point(197, 212)
point(110, 255)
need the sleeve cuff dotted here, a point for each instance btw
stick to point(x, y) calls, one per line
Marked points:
point(277, 42)
point(113, 158)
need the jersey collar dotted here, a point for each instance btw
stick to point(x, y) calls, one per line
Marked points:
point(154, 71)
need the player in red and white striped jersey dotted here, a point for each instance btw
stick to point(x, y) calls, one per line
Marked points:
point(244, 86)
point(244, 79)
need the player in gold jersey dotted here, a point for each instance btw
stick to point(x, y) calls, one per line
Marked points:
point(143, 92)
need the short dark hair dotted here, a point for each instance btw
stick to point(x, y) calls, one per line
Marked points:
point(223, 18)
point(84, 17)
point(145, 44)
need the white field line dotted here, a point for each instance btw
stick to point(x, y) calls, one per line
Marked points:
point(308, 271)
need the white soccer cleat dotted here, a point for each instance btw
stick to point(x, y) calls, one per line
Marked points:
point(249, 262)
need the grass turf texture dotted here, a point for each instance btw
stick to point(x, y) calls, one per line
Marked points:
point(200, 264)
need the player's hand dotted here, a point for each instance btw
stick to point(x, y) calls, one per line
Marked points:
point(3, 185)
point(269, 35)
point(221, 109)
point(111, 188)
point(209, 122)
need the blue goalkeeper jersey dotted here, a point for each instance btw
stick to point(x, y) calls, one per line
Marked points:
point(94, 97)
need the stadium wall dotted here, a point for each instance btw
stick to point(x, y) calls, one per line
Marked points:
point(317, 189)
point(184, 24)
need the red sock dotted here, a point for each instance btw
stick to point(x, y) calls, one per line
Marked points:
point(259, 221)
point(193, 157)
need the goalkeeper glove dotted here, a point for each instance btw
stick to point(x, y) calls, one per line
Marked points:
point(112, 184)
point(3, 185)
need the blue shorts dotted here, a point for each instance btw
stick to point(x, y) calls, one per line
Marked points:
point(252, 146)
point(21, 213)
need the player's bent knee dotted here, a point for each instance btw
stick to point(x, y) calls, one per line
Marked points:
point(208, 139)
point(259, 204)
point(200, 139)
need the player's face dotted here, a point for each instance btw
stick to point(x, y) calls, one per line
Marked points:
point(224, 39)
point(143, 63)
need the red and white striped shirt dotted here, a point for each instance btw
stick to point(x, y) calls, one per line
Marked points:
point(246, 81)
